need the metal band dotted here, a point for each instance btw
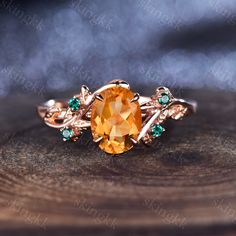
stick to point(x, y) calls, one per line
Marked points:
point(57, 113)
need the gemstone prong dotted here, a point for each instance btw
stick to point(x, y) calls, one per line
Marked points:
point(124, 84)
point(134, 141)
point(96, 140)
point(136, 97)
point(121, 83)
point(99, 97)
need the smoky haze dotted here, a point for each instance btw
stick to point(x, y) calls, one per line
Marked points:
point(60, 45)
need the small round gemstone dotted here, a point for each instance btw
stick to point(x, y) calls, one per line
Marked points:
point(157, 130)
point(67, 134)
point(164, 99)
point(74, 104)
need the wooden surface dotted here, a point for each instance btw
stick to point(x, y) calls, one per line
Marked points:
point(183, 185)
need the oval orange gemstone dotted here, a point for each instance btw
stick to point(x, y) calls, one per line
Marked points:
point(116, 119)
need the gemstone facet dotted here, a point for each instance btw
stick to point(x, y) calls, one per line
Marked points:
point(157, 130)
point(74, 104)
point(116, 120)
point(164, 99)
point(67, 134)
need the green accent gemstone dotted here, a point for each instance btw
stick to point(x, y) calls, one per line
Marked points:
point(74, 104)
point(67, 134)
point(157, 130)
point(164, 99)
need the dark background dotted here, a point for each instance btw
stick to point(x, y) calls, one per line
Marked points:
point(60, 45)
point(48, 49)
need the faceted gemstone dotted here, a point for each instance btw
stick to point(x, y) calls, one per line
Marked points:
point(157, 130)
point(67, 134)
point(74, 104)
point(164, 99)
point(116, 119)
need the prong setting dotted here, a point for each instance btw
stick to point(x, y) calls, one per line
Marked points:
point(79, 114)
point(135, 98)
point(121, 83)
point(97, 140)
point(99, 97)
point(134, 141)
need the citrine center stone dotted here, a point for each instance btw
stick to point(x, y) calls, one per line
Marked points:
point(116, 120)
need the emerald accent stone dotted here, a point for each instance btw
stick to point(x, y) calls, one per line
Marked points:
point(164, 99)
point(157, 130)
point(67, 134)
point(74, 104)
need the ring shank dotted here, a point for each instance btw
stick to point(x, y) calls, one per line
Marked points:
point(44, 107)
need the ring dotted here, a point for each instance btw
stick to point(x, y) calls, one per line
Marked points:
point(117, 117)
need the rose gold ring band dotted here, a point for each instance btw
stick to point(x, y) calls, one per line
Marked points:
point(118, 118)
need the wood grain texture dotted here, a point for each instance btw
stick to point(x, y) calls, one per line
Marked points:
point(185, 184)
